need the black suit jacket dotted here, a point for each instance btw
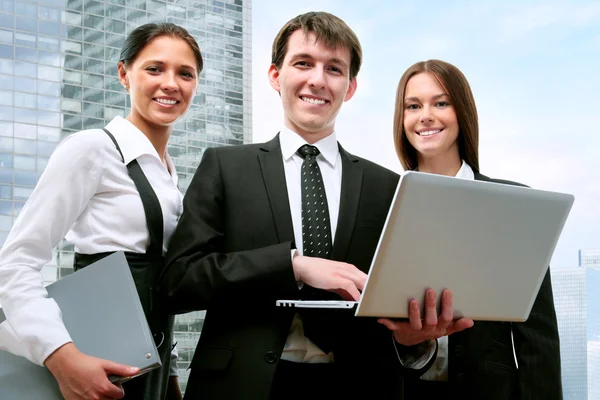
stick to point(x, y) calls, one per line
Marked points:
point(231, 255)
point(481, 361)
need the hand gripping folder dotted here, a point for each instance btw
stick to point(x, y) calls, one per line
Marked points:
point(103, 314)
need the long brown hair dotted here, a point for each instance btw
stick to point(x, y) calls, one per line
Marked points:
point(454, 82)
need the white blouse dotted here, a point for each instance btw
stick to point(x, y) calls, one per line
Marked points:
point(85, 194)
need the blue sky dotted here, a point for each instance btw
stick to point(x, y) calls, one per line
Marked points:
point(533, 67)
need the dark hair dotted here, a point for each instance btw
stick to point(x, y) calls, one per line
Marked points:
point(144, 34)
point(327, 27)
point(454, 82)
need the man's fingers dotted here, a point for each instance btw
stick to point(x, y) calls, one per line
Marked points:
point(460, 325)
point(431, 319)
point(447, 312)
point(359, 278)
point(414, 315)
point(388, 323)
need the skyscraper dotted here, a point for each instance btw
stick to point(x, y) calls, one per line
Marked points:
point(569, 286)
point(58, 75)
point(590, 260)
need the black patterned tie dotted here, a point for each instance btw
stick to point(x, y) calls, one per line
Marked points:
point(316, 227)
point(316, 242)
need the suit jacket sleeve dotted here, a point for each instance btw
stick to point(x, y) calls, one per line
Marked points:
point(537, 348)
point(198, 267)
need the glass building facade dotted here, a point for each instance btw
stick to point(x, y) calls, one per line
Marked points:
point(58, 75)
point(569, 286)
point(590, 260)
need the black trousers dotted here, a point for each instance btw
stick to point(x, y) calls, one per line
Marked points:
point(301, 381)
point(418, 389)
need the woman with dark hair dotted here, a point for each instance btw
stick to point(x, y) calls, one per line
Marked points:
point(107, 190)
point(436, 131)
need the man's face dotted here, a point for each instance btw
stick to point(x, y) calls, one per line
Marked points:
point(313, 82)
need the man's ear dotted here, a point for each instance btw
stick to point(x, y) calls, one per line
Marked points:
point(274, 77)
point(123, 75)
point(351, 89)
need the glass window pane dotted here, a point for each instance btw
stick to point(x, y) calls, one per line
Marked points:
point(6, 36)
point(116, 12)
point(24, 146)
point(25, 84)
point(93, 36)
point(93, 80)
point(7, 21)
point(24, 115)
point(26, 54)
point(6, 128)
point(72, 122)
point(25, 100)
point(71, 18)
point(6, 98)
point(48, 58)
point(93, 50)
point(49, 73)
point(73, 62)
point(17, 207)
point(46, 148)
point(71, 91)
point(26, 163)
point(52, 14)
point(49, 103)
point(6, 143)
point(48, 134)
point(73, 47)
point(41, 163)
point(49, 28)
point(25, 69)
point(26, 9)
point(7, 51)
point(112, 54)
point(26, 24)
point(93, 66)
point(6, 113)
point(49, 43)
point(48, 118)
point(93, 110)
point(6, 160)
point(73, 106)
point(92, 123)
point(24, 178)
point(25, 131)
point(5, 222)
point(49, 88)
point(25, 39)
point(93, 7)
point(7, 6)
point(115, 40)
point(5, 205)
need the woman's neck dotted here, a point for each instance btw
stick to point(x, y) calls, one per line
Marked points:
point(448, 166)
point(157, 134)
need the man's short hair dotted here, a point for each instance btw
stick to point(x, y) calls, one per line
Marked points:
point(328, 28)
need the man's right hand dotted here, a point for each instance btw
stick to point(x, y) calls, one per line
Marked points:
point(84, 377)
point(341, 278)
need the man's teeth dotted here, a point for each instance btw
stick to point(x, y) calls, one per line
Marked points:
point(165, 101)
point(313, 101)
point(428, 133)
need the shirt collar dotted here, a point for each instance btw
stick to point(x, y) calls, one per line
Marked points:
point(290, 142)
point(465, 172)
point(132, 141)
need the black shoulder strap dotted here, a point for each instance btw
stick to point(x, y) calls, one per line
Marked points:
point(152, 208)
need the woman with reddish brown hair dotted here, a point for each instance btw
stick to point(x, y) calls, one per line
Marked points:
point(436, 131)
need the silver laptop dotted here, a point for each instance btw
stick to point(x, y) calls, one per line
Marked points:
point(489, 243)
point(103, 314)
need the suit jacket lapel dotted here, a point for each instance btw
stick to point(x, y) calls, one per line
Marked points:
point(271, 164)
point(352, 175)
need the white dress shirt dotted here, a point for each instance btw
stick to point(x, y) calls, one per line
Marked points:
point(86, 194)
point(439, 369)
point(297, 347)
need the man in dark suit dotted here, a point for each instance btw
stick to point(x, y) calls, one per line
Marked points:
point(296, 217)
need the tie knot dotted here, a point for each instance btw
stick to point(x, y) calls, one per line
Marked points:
point(308, 150)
